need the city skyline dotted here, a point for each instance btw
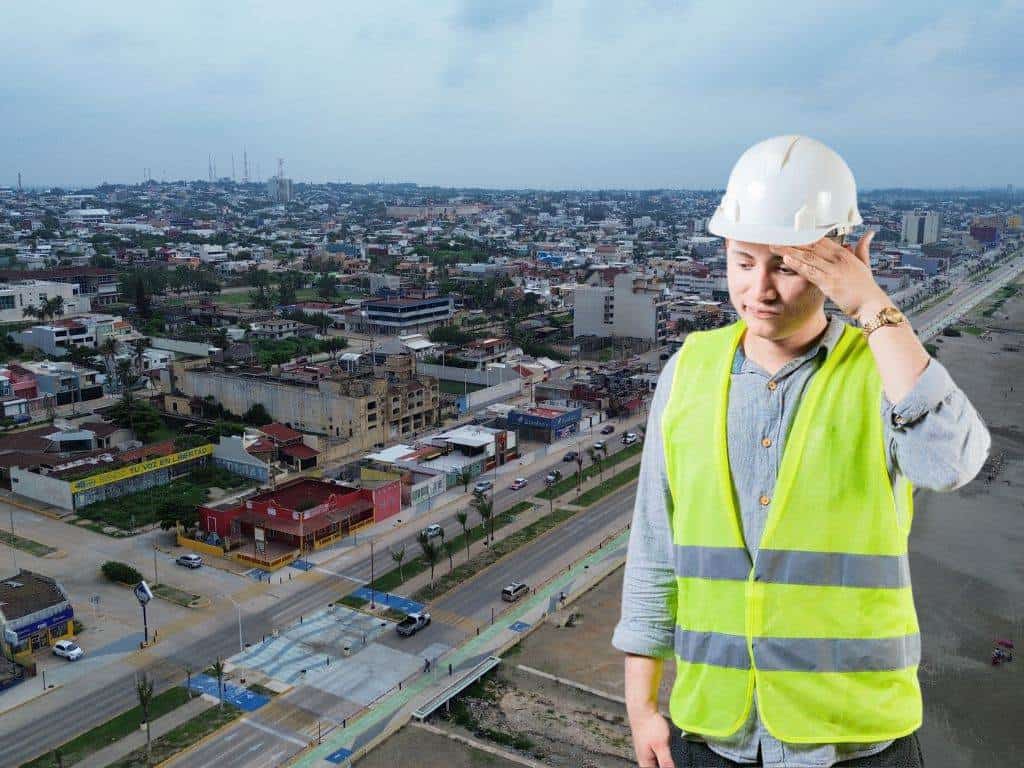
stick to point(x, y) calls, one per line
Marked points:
point(527, 95)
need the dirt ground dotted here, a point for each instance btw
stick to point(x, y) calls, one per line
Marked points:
point(413, 746)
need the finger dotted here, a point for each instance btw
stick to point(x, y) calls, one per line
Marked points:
point(664, 755)
point(802, 266)
point(864, 246)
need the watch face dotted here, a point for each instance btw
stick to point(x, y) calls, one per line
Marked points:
point(892, 315)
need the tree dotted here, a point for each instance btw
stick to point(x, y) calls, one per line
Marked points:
point(139, 346)
point(595, 458)
point(144, 690)
point(430, 553)
point(108, 348)
point(126, 376)
point(484, 507)
point(257, 415)
point(218, 671)
point(140, 293)
point(188, 680)
point(47, 309)
point(327, 286)
point(287, 289)
point(579, 472)
point(449, 550)
point(398, 556)
point(463, 516)
point(466, 477)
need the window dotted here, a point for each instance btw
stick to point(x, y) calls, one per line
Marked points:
point(6, 302)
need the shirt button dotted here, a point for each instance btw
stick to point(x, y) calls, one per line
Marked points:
point(767, 442)
point(765, 501)
point(772, 385)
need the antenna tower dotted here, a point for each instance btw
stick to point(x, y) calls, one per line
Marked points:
point(209, 168)
point(232, 166)
point(280, 167)
point(245, 166)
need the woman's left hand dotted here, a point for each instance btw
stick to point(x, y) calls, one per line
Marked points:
point(842, 273)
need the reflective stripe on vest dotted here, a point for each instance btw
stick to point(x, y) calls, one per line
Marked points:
point(791, 566)
point(799, 654)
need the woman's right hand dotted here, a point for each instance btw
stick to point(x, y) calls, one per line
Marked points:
point(651, 733)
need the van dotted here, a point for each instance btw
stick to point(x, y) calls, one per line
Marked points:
point(514, 591)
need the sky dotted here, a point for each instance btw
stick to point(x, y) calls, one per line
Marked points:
point(508, 93)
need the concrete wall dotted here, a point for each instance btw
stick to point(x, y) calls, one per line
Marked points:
point(230, 455)
point(190, 348)
point(451, 373)
point(48, 490)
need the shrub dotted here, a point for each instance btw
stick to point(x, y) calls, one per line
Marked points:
point(121, 572)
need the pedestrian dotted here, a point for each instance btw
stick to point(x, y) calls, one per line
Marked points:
point(426, 665)
point(769, 559)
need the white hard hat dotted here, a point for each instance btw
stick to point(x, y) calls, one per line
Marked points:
point(787, 190)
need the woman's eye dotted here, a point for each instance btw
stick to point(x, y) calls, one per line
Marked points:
point(786, 271)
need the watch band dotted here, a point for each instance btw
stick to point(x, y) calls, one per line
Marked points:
point(882, 318)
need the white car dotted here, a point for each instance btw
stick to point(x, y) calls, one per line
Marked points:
point(519, 482)
point(432, 531)
point(599, 445)
point(68, 650)
point(629, 438)
point(189, 560)
point(483, 486)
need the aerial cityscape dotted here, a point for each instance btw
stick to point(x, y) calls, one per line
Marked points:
point(322, 449)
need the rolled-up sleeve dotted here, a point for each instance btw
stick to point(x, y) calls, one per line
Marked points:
point(935, 436)
point(647, 622)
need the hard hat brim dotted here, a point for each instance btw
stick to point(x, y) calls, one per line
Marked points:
point(767, 235)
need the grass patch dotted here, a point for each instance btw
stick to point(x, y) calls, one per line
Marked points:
point(235, 299)
point(152, 504)
point(973, 330)
point(262, 690)
point(182, 737)
point(566, 484)
point(174, 595)
point(25, 545)
point(117, 728)
point(608, 486)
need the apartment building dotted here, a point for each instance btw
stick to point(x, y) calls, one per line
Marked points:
point(98, 285)
point(634, 306)
point(16, 296)
point(401, 316)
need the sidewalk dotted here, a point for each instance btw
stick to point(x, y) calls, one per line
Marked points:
point(137, 739)
point(342, 745)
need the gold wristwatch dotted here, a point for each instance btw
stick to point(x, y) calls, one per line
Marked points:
point(885, 316)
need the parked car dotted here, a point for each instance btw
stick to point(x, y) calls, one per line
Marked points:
point(432, 531)
point(483, 486)
point(607, 429)
point(514, 591)
point(570, 456)
point(599, 445)
point(519, 482)
point(189, 560)
point(68, 650)
point(412, 624)
point(629, 438)
point(553, 476)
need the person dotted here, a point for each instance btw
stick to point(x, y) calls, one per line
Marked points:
point(768, 546)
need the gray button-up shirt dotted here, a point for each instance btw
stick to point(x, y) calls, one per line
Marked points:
point(935, 439)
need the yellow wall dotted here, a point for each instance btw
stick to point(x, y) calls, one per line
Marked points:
point(366, 473)
point(200, 546)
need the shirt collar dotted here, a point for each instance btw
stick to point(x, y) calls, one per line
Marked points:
point(825, 345)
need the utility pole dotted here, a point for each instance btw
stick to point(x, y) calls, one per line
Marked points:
point(156, 578)
point(373, 605)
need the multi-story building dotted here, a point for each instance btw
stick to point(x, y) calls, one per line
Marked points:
point(401, 316)
point(85, 331)
point(65, 382)
point(365, 411)
point(634, 307)
point(279, 189)
point(280, 329)
point(98, 285)
point(920, 227)
point(15, 297)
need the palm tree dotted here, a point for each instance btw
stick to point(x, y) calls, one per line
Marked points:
point(430, 554)
point(449, 549)
point(48, 308)
point(398, 557)
point(125, 373)
point(465, 477)
point(144, 690)
point(108, 348)
point(463, 516)
point(579, 472)
point(138, 347)
point(188, 679)
point(485, 508)
point(595, 458)
point(218, 670)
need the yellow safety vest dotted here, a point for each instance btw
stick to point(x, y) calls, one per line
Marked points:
point(823, 620)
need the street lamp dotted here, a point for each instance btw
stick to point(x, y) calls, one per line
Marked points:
point(241, 645)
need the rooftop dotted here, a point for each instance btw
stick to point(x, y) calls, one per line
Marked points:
point(27, 593)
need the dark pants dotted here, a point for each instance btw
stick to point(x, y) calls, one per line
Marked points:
point(904, 752)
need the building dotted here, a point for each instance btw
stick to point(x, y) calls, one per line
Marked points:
point(920, 227)
point(545, 424)
point(35, 612)
point(403, 316)
point(274, 527)
point(16, 296)
point(290, 448)
point(633, 307)
point(279, 189)
point(87, 215)
point(362, 410)
point(88, 331)
point(280, 329)
point(64, 382)
point(100, 286)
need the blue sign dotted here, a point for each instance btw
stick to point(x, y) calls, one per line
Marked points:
point(562, 420)
point(519, 626)
point(66, 614)
point(338, 757)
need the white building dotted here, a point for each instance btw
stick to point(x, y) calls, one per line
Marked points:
point(87, 215)
point(920, 227)
point(279, 189)
point(15, 297)
point(636, 307)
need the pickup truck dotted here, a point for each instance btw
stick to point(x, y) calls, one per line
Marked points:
point(412, 623)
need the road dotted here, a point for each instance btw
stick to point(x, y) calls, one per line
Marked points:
point(108, 695)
